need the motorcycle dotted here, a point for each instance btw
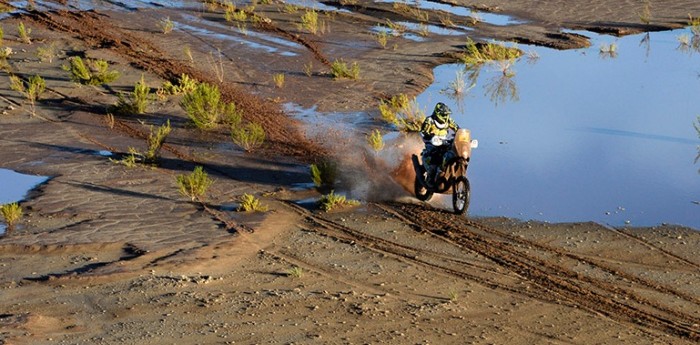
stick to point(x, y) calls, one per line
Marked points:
point(456, 152)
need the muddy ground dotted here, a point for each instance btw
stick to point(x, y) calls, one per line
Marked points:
point(108, 254)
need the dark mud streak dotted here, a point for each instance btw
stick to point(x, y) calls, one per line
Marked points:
point(587, 293)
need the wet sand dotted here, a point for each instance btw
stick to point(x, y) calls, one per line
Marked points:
point(112, 255)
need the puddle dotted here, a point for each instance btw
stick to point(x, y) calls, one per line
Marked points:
point(316, 5)
point(14, 187)
point(489, 18)
point(581, 136)
point(226, 34)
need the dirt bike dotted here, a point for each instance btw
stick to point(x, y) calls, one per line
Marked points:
point(456, 149)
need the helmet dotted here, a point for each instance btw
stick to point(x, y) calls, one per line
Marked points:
point(441, 113)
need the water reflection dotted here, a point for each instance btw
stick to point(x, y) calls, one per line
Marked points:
point(589, 138)
point(688, 44)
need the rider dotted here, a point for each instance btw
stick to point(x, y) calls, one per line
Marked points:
point(437, 124)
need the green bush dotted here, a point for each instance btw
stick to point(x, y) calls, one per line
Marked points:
point(330, 201)
point(94, 72)
point(250, 204)
point(11, 213)
point(195, 184)
point(340, 70)
point(31, 90)
point(375, 140)
point(249, 137)
point(324, 173)
point(403, 112)
point(155, 142)
point(24, 33)
point(206, 110)
point(137, 101)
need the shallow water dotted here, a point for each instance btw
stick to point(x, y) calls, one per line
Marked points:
point(580, 135)
point(14, 187)
point(490, 18)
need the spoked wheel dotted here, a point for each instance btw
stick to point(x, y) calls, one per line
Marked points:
point(422, 193)
point(460, 195)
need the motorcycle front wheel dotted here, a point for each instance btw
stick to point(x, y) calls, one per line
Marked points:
point(461, 195)
point(422, 193)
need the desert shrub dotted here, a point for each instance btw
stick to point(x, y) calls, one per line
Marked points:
point(91, 72)
point(155, 142)
point(608, 50)
point(402, 112)
point(166, 25)
point(24, 33)
point(331, 200)
point(295, 272)
point(340, 70)
point(195, 184)
point(2, 35)
point(11, 213)
point(185, 84)
point(188, 53)
point(474, 54)
point(645, 14)
point(137, 101)
point(278, 78)
point(309, 21)
point(309, 69)
point(205, 109)
point(382, 38)
point(324, 173)
point(249, 137)
point(251, 204)
point(31, 90)
point(47, 52)
point(375, 140)
point(130, 160)
point(694, 24)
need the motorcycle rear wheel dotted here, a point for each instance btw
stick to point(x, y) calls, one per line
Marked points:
point(422, 193)
point(460, 195)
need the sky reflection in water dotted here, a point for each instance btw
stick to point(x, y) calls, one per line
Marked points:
point(580, 135)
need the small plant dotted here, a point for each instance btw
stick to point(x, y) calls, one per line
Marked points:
point(109, 119)
point(278, 78)
point(375, 140)
point(185, 84)
point(694, 24)
point(309, 21)
point(474, 54)
point(608, 50)
point(249, 137)
point(453, 295)
point(645, 14)
point(423, 30)
point(130, 160)
point(458, 85)
point(340, 70)
point(94, 72)
point(188, 53)
point(195, 184)
point(396, 28)
point(24, 33)
point(324, 174)
point(166, 25)
point(155, 142)
point(331, 200)
point(402, 112)
point(46, 53)
point(206, 110)
point(216, 63)
point(295, 272)
point(290, 9)
point(31, 90)
point(309, 69)
point(250, 204)
point(382, 38)
point(11, 213)
point(136, 102)
point(446, 20)
point(2, 35)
